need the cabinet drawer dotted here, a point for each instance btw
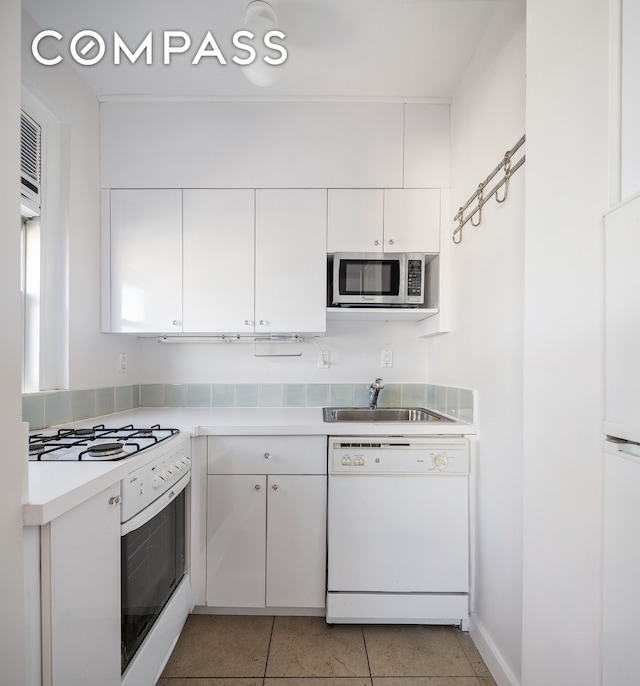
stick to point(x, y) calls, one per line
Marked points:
point(267, 455)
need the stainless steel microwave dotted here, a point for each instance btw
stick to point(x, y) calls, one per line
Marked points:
point(378, 279)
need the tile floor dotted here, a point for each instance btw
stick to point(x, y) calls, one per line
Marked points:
point(218, 650)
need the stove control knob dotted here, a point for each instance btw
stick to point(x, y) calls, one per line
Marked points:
point(178, 465)
point(166, 474)
point(157, 482)
point(440, 461)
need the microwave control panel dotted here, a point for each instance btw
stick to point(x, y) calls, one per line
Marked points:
point(414, 278)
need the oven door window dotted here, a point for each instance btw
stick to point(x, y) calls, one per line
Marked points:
point(369, 277)
point(153, 564)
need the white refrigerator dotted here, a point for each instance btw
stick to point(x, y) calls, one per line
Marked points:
point(621, 539)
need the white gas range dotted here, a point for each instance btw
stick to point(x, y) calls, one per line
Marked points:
point(154, 511)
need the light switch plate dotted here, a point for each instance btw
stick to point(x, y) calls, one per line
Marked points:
point(386, 359)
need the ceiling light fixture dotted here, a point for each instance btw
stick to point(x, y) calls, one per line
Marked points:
point(260, 18)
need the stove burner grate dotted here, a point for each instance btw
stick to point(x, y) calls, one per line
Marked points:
point(105, 449)
point(97, 442)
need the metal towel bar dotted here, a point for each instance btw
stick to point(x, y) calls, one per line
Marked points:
point(480, 197)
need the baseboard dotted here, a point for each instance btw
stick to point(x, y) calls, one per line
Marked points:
point(260, 611)
point(502, 675)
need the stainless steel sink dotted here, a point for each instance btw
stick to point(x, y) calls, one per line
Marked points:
point(381, 414)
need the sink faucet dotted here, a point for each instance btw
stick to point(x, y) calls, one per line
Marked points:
point(374, 392)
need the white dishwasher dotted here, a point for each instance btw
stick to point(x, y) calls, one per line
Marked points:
point(398, 530)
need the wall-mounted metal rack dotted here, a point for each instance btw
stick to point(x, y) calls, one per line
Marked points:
point(480, 197)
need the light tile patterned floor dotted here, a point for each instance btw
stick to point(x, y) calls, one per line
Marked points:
point(218, 650)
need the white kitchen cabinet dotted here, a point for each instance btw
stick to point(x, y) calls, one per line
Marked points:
point(426, 146)
point(80, 553)
point(389, 220)
point(296, 535)
point(412, 220)
point(355, 220)
point(218, 260)
point(146, 260)
point(215, 261)
point(291, 235)
point(236, 543)
point(266, 519)
point(251, 144)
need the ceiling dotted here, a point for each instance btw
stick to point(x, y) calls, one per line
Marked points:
point(360, 49)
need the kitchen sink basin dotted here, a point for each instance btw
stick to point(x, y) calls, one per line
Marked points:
point(381, 414)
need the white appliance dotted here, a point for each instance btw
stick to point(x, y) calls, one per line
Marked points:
point(377, 279)
point(155, 584)
point(621, 563)
point(622, 320)
point(621, 505)
point(398, 530)
point(153, 502)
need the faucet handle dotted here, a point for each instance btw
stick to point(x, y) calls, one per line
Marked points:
point(377, 383)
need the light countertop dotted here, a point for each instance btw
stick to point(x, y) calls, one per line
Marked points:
point(56, 487)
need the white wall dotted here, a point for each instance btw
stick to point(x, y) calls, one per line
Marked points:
point(567, 192)
point(93, 356)
point(14, 459)
point(354, 347)
point(484, 349)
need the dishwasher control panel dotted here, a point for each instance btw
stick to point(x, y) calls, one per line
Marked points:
point(397, 455)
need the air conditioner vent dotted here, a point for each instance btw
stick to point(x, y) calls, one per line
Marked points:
point(30, 138)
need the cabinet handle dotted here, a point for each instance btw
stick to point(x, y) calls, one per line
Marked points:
point(391, 241)
point(248, 322)
point(263, 322)
point(376, 242)
point(176, 322)
point(114, 500)
point(257, 487)
point(274, 487)
point(267, 456)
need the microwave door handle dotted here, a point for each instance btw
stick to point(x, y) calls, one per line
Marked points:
point(155, 507)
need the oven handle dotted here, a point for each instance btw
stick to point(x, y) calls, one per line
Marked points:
point(155, 507)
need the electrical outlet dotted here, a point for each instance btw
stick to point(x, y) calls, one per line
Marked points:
point(323, 359)
point(386, 359)
point(122, 362)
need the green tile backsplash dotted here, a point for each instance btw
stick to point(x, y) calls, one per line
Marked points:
point(58, 407)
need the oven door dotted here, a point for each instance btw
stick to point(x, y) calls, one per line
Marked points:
point(153, 547)
point(368, 279)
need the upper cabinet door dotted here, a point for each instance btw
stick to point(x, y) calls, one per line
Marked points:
point(291, 263)
point(412, 220)
point(393, 220)
point(146, 261)
point(218, 260)
point(622, 319)
point(354, 220)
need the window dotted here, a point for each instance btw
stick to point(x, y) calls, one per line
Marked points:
point(43, 176)
point(30, 176)
point(30, 280)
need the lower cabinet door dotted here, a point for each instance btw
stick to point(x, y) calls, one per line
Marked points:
point(236, 524)
point(296, 540)
point(81, 594)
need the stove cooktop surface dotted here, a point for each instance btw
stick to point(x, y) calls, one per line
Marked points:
point(96, 443)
